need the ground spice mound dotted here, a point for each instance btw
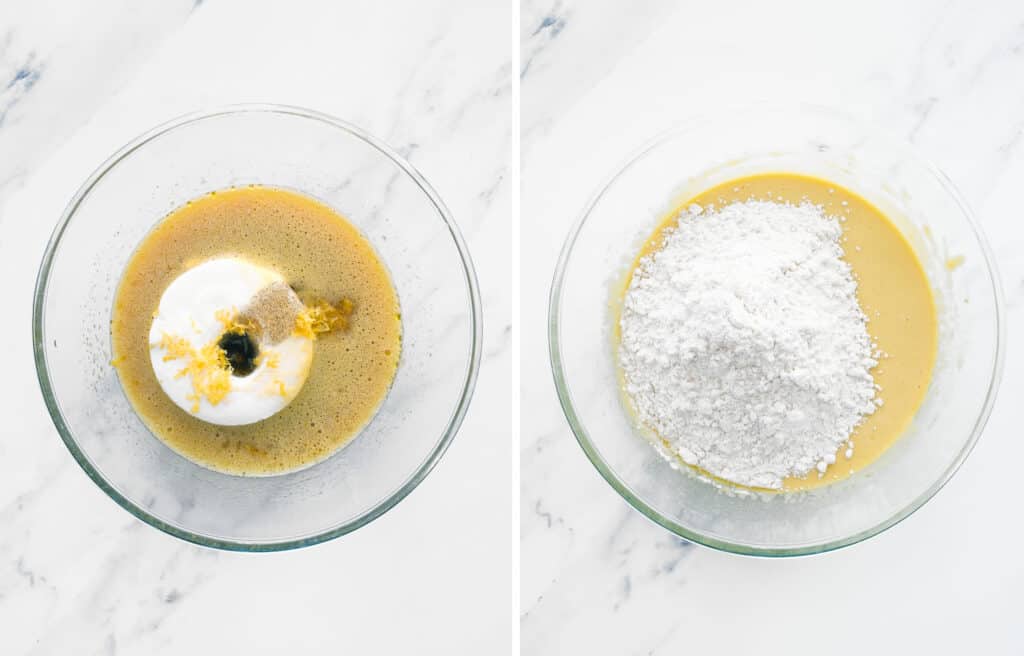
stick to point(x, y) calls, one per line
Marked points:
point(274, 310)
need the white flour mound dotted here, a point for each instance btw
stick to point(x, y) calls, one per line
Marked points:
point(743, 345)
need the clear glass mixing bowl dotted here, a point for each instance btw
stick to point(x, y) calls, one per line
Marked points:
point(369, 184)
point(926, 208)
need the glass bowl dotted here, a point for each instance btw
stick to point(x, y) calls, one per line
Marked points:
point(368, 183)
point(925, 207)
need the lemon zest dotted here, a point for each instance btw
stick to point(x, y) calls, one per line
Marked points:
point(323, 318)
point(208, 368)
point(271, 359)
point(176, 347)
point(229, 319)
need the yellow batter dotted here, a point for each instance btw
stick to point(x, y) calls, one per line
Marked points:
point(892, 289)
point(323, 257)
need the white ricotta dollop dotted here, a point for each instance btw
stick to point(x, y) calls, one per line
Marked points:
point(193, 308)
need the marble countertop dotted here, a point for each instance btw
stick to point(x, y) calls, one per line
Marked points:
point(78, 575)
point(598, 79)
point(438, 573)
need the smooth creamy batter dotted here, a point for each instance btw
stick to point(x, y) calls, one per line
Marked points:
point(893, 291)
point(320, 255)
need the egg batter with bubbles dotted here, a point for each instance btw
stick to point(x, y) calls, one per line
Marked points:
point(255, 331)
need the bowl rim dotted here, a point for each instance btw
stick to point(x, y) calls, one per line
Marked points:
point(623, 489)
point(382, 506)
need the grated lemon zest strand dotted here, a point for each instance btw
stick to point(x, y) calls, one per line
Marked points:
point(229, 319)
point(323, 318)
point(208, 368)
point(271, 359)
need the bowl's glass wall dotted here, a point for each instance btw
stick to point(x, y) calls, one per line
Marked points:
point(624, 215)
point(385, 202)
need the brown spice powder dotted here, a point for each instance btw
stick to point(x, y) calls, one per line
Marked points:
point(274, 310)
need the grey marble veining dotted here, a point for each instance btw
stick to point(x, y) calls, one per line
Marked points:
point(54, 73)
point(553, 31)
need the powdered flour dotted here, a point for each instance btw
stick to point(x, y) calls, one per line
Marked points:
point(743, 344)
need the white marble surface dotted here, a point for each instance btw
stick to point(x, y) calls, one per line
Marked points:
point(437, 574)
point(599, 78)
